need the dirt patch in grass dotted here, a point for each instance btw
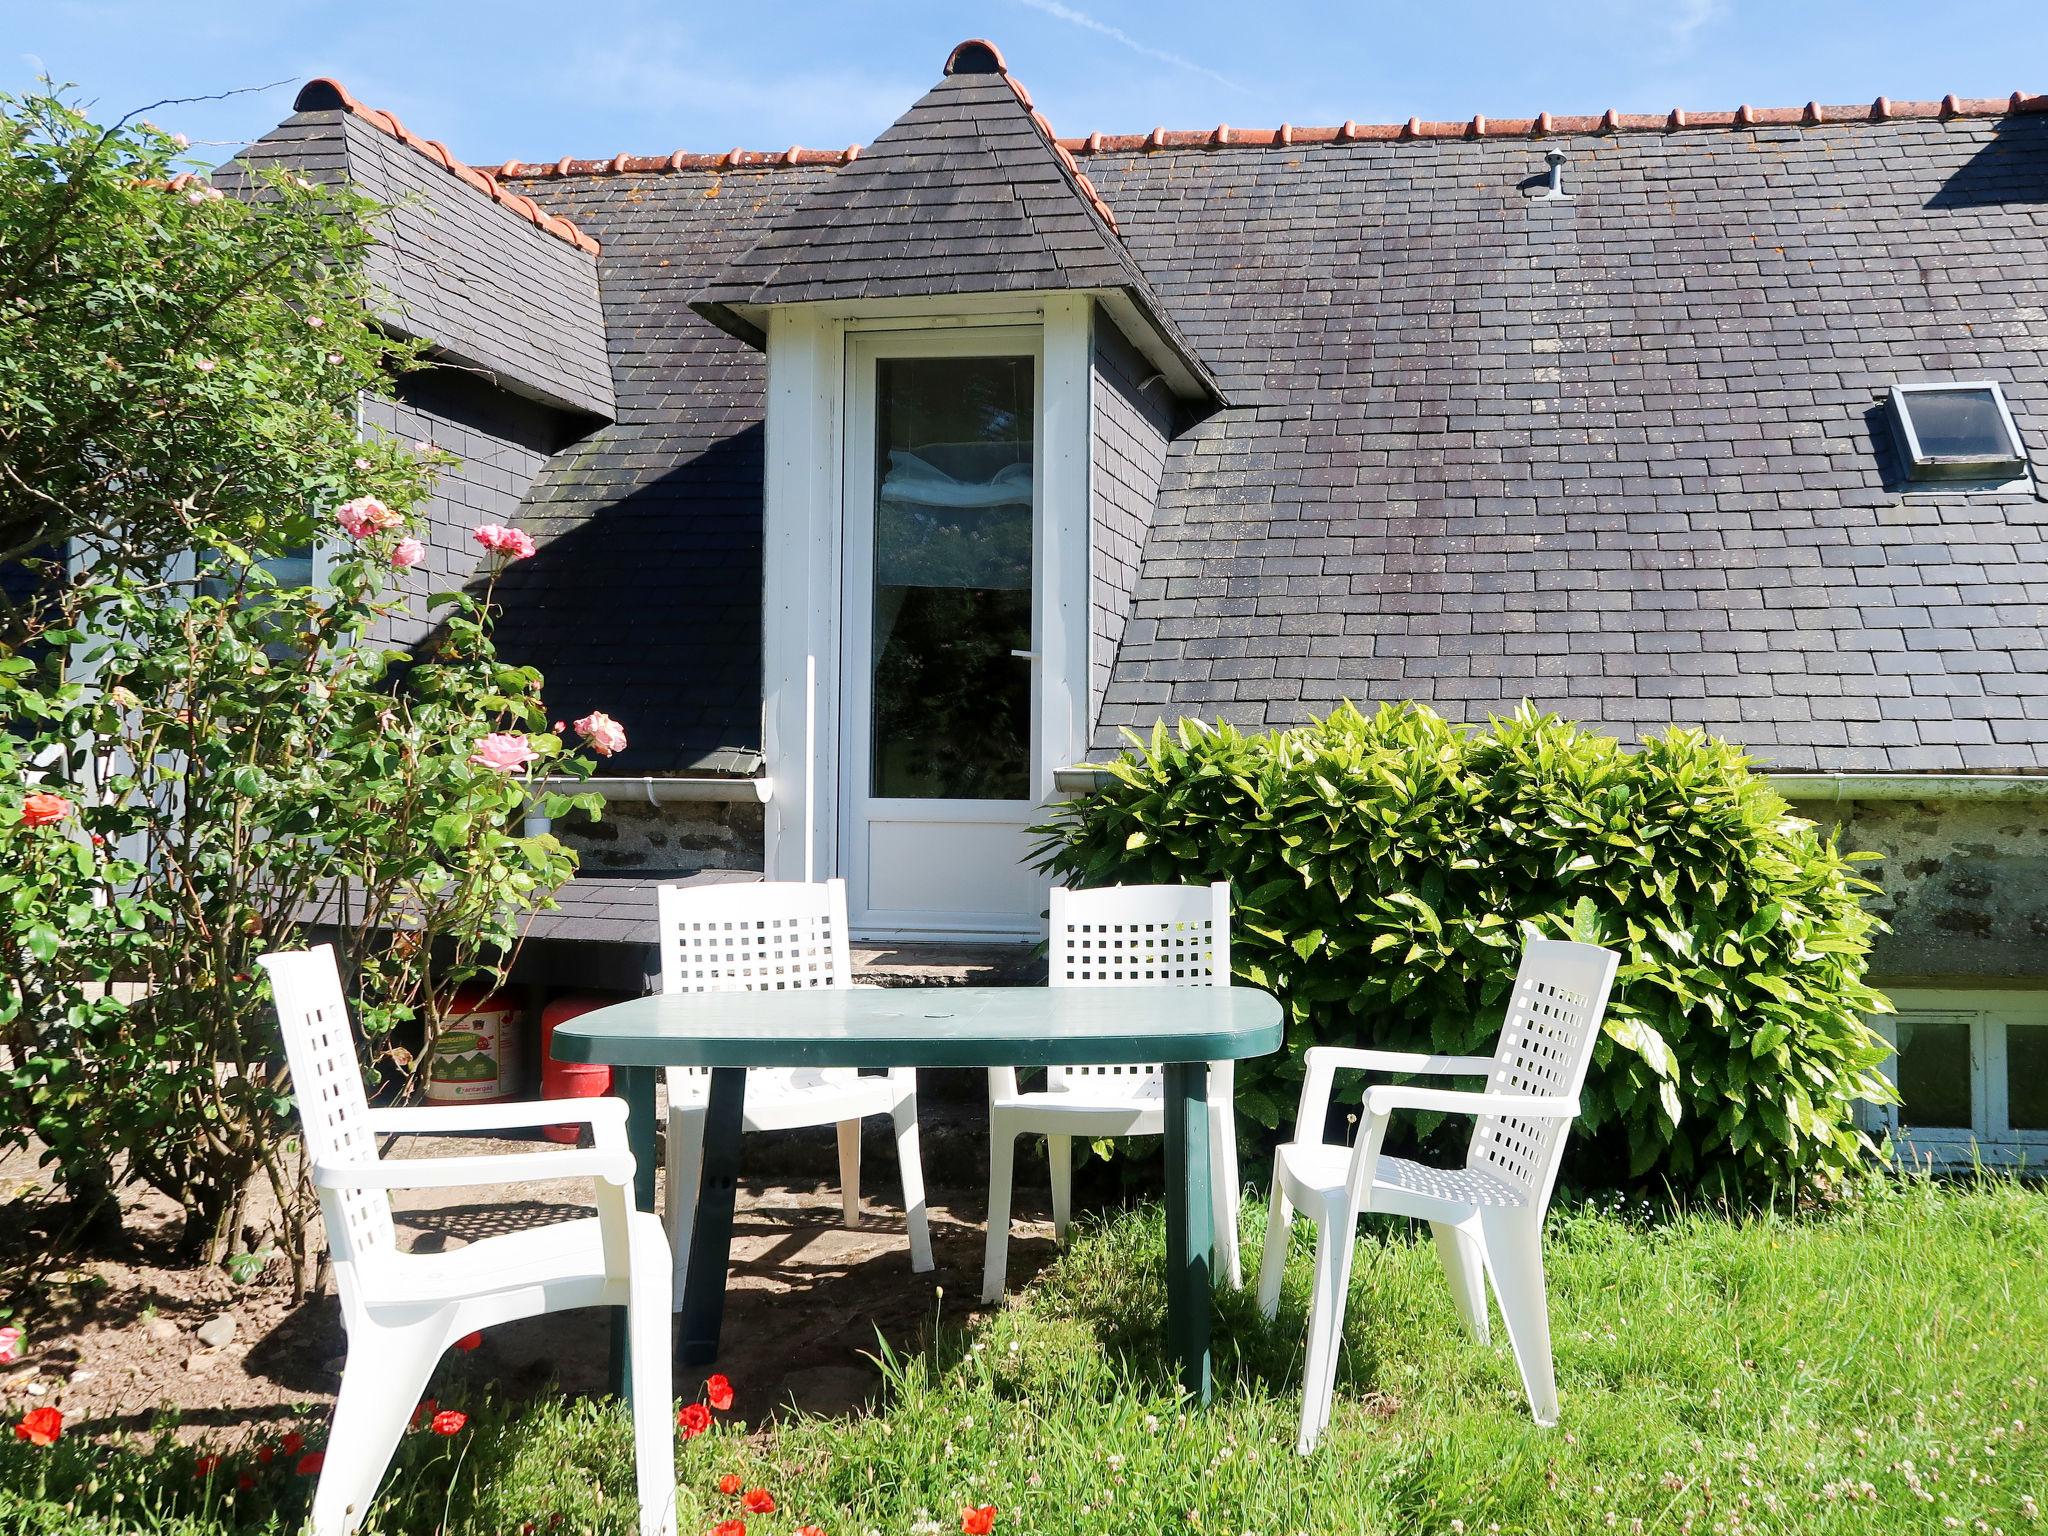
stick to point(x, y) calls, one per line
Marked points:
point(115, 1337)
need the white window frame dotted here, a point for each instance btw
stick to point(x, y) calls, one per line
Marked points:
point(1951, 472)
point(1990, 1138)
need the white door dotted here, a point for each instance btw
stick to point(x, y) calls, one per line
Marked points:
point(939, 682)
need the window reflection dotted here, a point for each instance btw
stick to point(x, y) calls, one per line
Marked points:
point(951, 714)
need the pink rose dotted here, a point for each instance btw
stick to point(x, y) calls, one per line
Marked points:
point(506, 751)
point(601, 733)
point(407, 553)
point(203, 364)
point(364, 516)
point(44, 810)
point(512, 543)
point(315, 321)
point(10, 1344)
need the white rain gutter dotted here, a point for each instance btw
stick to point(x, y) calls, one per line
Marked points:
point(1808, 788)
point(654, 790)
point(1834, 788)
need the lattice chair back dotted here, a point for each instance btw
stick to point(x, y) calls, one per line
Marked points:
point(1546, 1045)
point(1136, 936)
point(327, 1080)
point(772, 936)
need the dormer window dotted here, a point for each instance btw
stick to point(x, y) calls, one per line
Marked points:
point(1958, 435)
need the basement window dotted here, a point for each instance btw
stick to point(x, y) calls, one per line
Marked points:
point(1961, 436)
point(1972, 1080)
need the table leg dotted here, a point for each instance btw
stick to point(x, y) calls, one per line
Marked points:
point(636, 1086)
point(711, 1241)
point(1190, 1225)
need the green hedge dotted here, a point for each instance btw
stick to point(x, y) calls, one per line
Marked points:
point(1387, 869)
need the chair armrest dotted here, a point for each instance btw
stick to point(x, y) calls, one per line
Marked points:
point(1322, 1062)
point(1347, 1059)
point(442, 1119)
point(1383, 1100)
point(611, 1165)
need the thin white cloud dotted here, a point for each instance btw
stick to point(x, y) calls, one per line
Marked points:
point(1688, 16)
point(1082, 19)
point(661, 70)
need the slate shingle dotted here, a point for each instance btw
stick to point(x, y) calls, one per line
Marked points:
point(1619, 455)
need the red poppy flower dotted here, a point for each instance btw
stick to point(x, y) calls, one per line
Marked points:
point(718, 1393)
point(758, 1501)
point(311, 1463)
point(245, 1482)
point(205, 1466)
point(810, 1530)
point(978, 1522)
point(426, 1410)
point(693, 1420)
point(729, 1528)
point(448, 1422)
point(40, 1426)
point(266, 1453)
point(730, 1483)
point(468, 1342)
point(294, 1442)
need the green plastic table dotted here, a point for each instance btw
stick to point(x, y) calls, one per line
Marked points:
point(1182, 1027)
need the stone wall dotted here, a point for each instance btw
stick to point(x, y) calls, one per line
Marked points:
point(635, 837)
point(1965, 887)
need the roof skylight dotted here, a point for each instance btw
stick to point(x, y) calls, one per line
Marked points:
point(1957, 433)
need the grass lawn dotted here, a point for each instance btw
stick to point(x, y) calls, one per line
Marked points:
point(1877, 1369)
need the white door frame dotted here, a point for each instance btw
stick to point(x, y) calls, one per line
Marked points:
point(804, 553)
point(944, 821)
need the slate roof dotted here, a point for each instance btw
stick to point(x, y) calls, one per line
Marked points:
point(966, 193)
point(495, 282)
point(1617, 453)
point(645, 597)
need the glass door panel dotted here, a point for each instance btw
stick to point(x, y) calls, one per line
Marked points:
point(952, 582)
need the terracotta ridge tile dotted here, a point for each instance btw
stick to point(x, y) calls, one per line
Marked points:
point(320, 90)
point(680, 160)
point(1813, 114)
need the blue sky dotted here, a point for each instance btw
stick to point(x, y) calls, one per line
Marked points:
point(536, 79)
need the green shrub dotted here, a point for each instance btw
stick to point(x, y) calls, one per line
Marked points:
point(1387, 869)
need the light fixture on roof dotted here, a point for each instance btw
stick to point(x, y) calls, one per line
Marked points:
point(1958, 434)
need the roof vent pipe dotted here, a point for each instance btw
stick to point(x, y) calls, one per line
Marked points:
point(1554, 158)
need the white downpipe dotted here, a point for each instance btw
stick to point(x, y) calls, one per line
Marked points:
point(810, 768)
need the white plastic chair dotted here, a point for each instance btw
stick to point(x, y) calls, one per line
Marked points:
point(1116, 936)
point(1487, 1217)
point(774, 936)
point(403, 1310)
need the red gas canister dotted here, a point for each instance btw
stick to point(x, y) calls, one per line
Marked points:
point(569, 1079)
point(476, 1056)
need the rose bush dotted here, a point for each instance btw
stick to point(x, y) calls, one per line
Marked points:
point(201, 761)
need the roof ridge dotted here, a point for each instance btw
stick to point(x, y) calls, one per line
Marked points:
point(978, 56)
point(1812, 115)
point(327, 94)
